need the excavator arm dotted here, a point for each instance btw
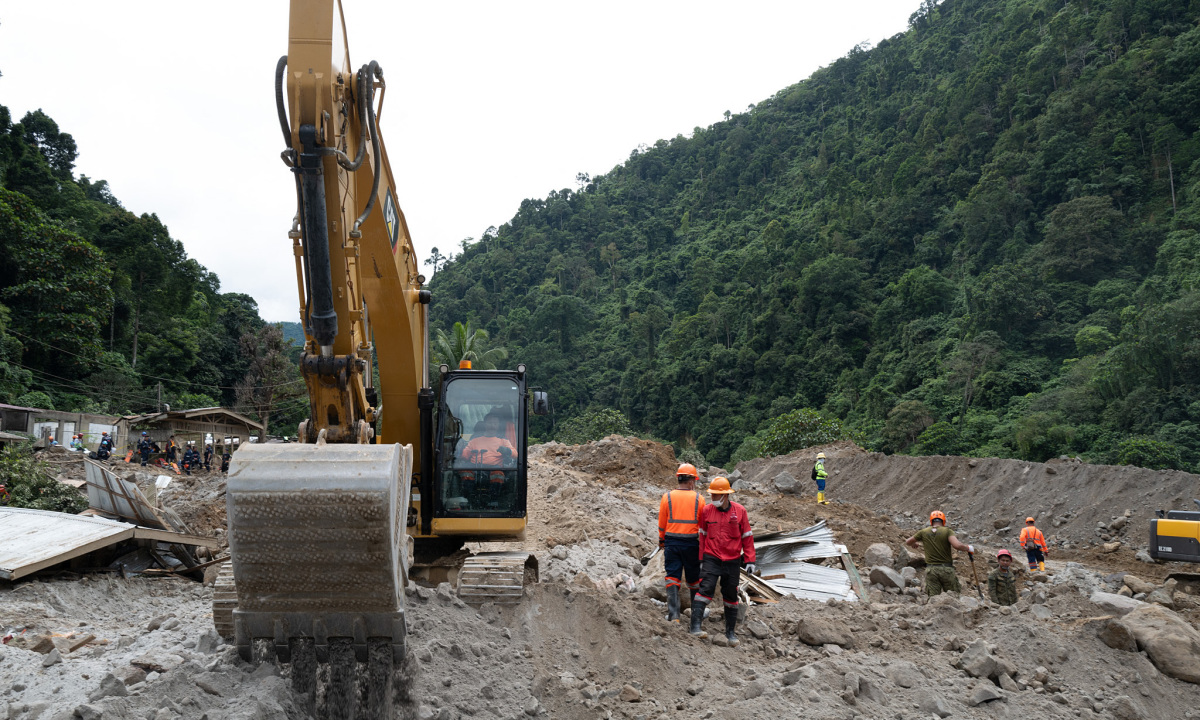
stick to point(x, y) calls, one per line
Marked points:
point(361, 296)
point(317, 530)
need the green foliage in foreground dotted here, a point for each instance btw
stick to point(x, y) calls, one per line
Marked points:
point(980, 236)
point(31, 485)
point(592, 425)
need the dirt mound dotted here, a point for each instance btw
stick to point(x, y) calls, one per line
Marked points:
point(619, 460)
point(1077, 505)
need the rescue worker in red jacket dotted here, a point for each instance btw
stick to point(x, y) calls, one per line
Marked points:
point(1034, 543)
point(679, 537)
point(726, 541)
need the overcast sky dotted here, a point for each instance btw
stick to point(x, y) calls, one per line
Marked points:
point(488, 103)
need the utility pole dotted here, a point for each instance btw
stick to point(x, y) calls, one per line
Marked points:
point(160, 397)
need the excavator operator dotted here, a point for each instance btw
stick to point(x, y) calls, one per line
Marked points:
point(489, 447)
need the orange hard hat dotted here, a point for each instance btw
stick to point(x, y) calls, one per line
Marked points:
point(937, 515)
point(1028, 520)
point(719, 486)
point(687, 469)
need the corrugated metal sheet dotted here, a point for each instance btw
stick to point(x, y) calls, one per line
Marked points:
point(786, 553)
point(31, 540)
point(34, 539)
point(812, 543)
point(808, 581)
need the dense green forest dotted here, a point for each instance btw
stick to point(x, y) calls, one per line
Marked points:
point(979, 236)
point(101, 310)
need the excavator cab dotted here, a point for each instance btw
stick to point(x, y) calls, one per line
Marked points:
point(478, 487)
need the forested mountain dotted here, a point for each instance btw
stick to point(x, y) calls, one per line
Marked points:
point(99, 306)
point(978, 237)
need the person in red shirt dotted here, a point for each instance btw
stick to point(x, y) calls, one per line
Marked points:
point(726, 541)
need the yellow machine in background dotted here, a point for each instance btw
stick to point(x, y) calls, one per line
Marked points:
point(320, 532)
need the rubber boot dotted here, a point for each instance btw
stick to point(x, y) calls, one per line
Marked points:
point(821, 499)
point(1041, 566)
point(730, 624)
point(673, 604)
point(697, 618)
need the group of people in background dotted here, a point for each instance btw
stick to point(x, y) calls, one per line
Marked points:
point(191, 458)
point(706, 544)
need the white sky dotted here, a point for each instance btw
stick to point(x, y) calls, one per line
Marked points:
point(488, 103)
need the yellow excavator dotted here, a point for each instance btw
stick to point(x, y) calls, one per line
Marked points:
point(322, 532)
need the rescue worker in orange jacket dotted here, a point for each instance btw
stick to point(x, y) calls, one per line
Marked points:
point(726, 542)
point(679, 537)
point(1034, 543)
point(487, 447)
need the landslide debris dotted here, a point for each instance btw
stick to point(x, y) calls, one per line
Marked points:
point(588, 642)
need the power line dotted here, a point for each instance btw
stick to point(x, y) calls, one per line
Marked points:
point(143, 375)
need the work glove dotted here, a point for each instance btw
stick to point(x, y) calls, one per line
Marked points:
point(970, 549)
point(751, 569)
point(662, 544)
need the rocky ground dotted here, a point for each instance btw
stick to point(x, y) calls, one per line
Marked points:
point(590, 640)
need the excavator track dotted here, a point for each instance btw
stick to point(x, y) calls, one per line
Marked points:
point(224, 601)
point(496, 577)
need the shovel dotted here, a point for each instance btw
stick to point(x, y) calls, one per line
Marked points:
point(645, 559)
point(975, 575)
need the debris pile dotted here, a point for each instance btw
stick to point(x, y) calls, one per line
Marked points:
point(1097, 636)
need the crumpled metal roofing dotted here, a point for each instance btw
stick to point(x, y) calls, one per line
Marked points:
point(786, 553)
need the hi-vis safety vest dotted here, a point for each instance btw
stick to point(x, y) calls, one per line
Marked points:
point(679, 515)
point(1031, 537)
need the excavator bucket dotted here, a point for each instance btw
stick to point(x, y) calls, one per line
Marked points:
point(319, 551)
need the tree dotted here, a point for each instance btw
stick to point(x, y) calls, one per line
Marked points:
point(465, 343)
point(592, 425)
point(971, 360)
point(436, 259)
point(272, 378)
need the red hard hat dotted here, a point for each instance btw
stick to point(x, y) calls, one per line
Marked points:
point(937, 515)
point(1004, 553)
point(687, 469)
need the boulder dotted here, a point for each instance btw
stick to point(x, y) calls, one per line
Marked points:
point(935, 705)
point(1161, 597)
point(909, 574)
point(1171, 643)
point(1136, 584)
point(1124, 708)
point(1119, 523)
point(1110, 547)
point(786, 483)
point(976, 661)
point(878, 554)
point(887, 577)
point(1143, 555)
point(985, 693)
point(1117, 635)
point(818, 631)
point(904, 674)
point(1114, 603)
point(630, 694)
point(110, 686)
point(908, 558)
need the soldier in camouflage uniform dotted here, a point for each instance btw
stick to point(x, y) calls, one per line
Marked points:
point(1002, 583)
point(938, 541)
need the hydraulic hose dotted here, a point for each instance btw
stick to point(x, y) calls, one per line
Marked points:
point(366, 77)
point(289, 158)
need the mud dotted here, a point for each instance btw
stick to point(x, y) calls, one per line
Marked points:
point(588, 642)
